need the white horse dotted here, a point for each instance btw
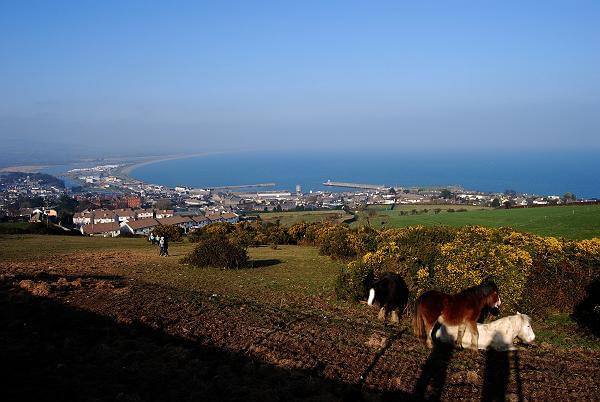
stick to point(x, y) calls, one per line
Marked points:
point(498, 335)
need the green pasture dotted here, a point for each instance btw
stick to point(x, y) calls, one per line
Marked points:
point(24, 247)
point(571, 222)
point(289, 218)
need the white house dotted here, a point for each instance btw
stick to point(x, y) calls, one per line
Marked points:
point(230, 217)
point(145, 213)
point(140, 226)
point(184, 222)
point(82, 218)
point(125, 214)
point(111, 229)
point(164, 213)
point(105, 216)
point(214, 218)
point(200, 221)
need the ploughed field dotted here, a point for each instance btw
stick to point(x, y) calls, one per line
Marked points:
point(106, 319)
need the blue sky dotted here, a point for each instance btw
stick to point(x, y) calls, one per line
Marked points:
point(196, 76)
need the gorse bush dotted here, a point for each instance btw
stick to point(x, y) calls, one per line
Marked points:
point(534, 274)
point(352, 281)
point(462, 265)
point(217, 251)
point(171, 232)
point(334, 241)
point(245, 234)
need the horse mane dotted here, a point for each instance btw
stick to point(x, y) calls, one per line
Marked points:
point(482, 290)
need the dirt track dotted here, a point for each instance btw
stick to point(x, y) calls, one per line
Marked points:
point(101, 334)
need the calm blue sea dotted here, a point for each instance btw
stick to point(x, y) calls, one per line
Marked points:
point(534, 173)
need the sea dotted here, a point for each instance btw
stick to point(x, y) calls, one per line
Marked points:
point(539, 173)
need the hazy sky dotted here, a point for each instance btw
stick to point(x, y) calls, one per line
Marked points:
point(128, 76)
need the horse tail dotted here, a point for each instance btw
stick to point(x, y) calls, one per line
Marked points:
point(418, 322)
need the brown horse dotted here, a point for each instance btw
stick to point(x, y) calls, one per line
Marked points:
point(462, 310)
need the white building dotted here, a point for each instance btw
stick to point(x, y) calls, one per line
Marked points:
point(140, 226)
point(111, 229)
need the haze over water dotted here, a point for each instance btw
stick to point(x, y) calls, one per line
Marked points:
point(127, 78)
point(547, 173)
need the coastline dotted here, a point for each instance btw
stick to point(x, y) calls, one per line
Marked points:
point(25, 168)
point(127, 169)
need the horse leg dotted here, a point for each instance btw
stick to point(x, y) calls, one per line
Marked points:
point(474, 334)
point(394, 318)
point(461, 333)
point(381, 314)
point(428, 330)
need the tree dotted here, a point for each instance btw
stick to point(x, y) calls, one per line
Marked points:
point(569, 197)
point(66, 209)
point(446, 194)
point(495, 203)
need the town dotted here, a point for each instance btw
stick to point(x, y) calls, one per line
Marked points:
point(107, 202)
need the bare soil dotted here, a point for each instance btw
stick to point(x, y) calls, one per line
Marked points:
point(90, 327)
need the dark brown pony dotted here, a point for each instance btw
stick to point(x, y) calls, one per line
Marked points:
point(462, 309)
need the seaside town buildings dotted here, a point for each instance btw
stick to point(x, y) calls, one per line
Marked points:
point(106, 199)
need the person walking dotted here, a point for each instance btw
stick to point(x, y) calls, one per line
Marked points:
point(166, 247)
point(161, 245)
point(151, 238)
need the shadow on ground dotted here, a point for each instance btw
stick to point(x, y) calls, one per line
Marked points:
point(51, 351)
point(264, 263)
point(430, 384)
point(587, 312)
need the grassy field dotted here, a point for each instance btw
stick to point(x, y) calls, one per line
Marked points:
point(579, 222)
point(119, 319)
point(288, 274)
point(24, 247)
point(289, 218)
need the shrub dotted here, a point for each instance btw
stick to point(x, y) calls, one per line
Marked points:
point(352, 281)
point(297, 232)
point(219, 228)
point(460, 265)
point(339, 241)
point(538, 275)
point(277, 235)
point(363, 240)
point(217, 251)
point(171, 232)
point(312, 232)
point(561, 271)
point(336, 244)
